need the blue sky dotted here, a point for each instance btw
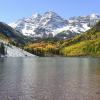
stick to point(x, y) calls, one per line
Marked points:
point(11, 10)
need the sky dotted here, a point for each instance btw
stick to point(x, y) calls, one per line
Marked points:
point(12, 10)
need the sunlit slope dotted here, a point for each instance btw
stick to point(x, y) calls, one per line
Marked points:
point(85, 44)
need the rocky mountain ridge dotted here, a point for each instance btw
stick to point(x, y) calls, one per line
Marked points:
point(51, 25)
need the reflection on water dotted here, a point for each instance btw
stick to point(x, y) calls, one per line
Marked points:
point(50, 78)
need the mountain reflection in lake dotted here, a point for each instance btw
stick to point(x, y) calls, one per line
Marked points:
point(48, 78)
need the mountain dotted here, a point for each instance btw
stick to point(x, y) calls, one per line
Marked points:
point(40, 26)
point(84, 44)
point(51, 25)
point(8, 33)
point(8, 36)
point(87, 44)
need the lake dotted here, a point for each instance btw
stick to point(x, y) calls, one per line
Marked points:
point(50, 78)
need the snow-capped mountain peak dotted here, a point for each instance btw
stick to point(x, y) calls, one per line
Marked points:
point(51, 14)
point(52, 20)
point(50, 24)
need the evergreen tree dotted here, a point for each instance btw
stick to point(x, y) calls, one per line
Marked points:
point(2, 49)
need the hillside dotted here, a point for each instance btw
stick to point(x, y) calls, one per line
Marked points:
point(13, 51)
point(8, 50)
point(84, 44)
point(11, 35)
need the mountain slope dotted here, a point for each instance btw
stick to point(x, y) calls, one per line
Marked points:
point(11, 34)
point(8, 50)
point(84, 44)
point(13, 51)
point(51, 25)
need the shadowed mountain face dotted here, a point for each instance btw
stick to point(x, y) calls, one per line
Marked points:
point(11, 33)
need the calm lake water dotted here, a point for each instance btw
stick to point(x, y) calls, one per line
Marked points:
point(50, 78)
